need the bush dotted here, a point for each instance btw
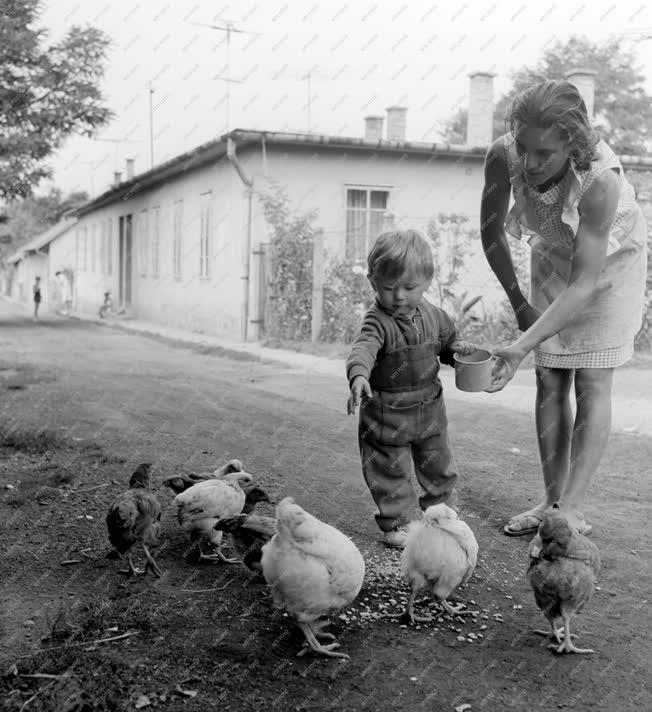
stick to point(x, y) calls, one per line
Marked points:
point(347, 295)
point(289, 315)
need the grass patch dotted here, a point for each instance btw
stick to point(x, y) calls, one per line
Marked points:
point(33, 442)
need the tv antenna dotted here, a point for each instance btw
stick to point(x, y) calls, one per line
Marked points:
point(227, 27)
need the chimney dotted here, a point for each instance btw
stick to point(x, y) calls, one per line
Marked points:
point(584, 80)
point(130, 168)
point(373, 128)
point(396, 123)
point(117, 177)
point(480, 122)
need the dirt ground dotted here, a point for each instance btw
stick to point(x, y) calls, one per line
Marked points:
point(81, 405)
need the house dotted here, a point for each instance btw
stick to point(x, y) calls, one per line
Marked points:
point(180, 243)
point(183, 243)
point(41, 256)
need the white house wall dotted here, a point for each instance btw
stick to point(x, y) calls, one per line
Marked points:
point(420, 187)
point(210, 303)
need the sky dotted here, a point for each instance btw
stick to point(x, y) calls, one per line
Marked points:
point(363, 57)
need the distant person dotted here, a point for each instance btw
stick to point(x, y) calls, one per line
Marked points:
point(393, 368)
point(36, 293)
point(65, 292)
point(588, 238)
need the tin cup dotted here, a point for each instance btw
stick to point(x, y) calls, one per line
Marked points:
point(473, 372)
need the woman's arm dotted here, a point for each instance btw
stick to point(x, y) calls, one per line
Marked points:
point(493, 209)
point(597, 210)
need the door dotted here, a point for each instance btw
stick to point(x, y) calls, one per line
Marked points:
point(125, 259)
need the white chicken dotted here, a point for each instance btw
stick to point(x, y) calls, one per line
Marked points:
point(441, 552)
point(199, 508)
point(312, 569)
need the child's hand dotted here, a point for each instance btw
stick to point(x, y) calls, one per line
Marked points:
point(464, 348)
point(359, 385)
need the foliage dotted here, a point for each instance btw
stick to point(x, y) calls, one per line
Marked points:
point(289, 315)
point(451, 237)
point(47, 93)
point(26, 218)
point(347, 295)
point(623, 109)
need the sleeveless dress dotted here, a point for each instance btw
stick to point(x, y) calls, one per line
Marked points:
point(601, 334)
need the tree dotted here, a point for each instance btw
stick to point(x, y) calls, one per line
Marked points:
point(623, 109)
point(47, 93)
point(24, 219)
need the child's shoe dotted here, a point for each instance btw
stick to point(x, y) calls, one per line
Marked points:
point(396, 538)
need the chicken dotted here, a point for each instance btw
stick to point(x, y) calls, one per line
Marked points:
point(441, 552)
point(200, 507)
point(249, 532)
point(312, 569)
point(180, 483)
point(562, 573)
point(135, 516)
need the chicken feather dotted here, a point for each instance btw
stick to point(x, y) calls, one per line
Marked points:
point(441, 552)
point(134, 516)
point(563, 575)
point(200, 507)
point(312, 569)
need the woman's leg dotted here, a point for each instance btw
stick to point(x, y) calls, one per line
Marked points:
point(590, 434)
point(554, 424)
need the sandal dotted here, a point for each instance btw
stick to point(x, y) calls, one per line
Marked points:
point(524, 523)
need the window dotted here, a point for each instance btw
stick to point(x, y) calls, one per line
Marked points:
point(143, 239)
point(85, 259)
point(93, 247)
point(156, 239)
point(205, 226)
point(176, 242)
point(365, 214)
point(109, 246)
point(102, 248)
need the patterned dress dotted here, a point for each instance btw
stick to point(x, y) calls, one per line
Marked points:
point(601, 334)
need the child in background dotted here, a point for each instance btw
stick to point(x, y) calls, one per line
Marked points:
point(36, 291)
point(393, 369)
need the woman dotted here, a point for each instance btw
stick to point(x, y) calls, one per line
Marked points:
point(588, 267)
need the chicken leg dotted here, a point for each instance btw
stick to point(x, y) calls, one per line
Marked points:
point(313, 644)
point(317, 629)
point(556, 633)
point(217, 556)
point(566, 645)
point(132, 570)
point(151, 564)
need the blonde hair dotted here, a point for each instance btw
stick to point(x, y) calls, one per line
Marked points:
point(397, 251)
point(557, 105)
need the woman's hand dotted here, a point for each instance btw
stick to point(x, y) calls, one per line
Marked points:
point(464, 348)
point(508, 361)
point(359, 385)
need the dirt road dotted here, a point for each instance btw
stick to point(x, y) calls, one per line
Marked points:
point(112, 400)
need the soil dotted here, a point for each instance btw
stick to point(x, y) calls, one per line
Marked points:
point(81, 405)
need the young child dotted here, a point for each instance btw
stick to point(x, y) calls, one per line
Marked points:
point(36, 291)
point(588, 238)
point(393, 367)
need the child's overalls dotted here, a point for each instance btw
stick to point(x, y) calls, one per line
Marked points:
point(406, 422)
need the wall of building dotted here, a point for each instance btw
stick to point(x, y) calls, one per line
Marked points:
point(209, 302)
point(420, 188)
point(25, 273)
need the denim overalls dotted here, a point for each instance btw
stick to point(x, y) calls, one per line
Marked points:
point(405, 422)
